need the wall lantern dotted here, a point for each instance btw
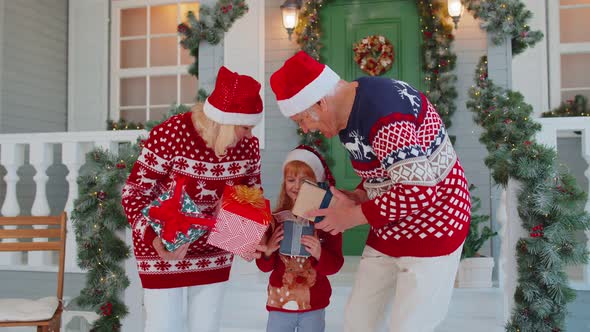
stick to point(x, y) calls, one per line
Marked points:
point(290, 11)
point(455, 8)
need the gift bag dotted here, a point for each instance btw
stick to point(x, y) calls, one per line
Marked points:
point(242, 220)
point(294, 228)
point(175, 218)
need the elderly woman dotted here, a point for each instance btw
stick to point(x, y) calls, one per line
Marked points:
point(209, 147)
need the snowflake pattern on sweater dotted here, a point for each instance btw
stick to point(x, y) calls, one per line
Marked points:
point(175, 149)
point(419, 199)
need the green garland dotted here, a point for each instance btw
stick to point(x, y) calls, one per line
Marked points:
point(122, 124)
point(210, 27)
point(573, 107)
point(98, 216)
point(550, 205)
point(506, 18)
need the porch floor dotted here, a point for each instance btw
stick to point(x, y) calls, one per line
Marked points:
point(471, 309)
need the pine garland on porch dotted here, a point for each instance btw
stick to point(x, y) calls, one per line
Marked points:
point(210, 27)
point(98, 217)
point(571, 107)
point(506, 18)
point(550, 205)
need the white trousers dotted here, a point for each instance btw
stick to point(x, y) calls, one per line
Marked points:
point(184, 309)
point(417, 289)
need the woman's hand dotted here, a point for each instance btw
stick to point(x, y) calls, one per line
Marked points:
point(177, 254)
point(312, 245)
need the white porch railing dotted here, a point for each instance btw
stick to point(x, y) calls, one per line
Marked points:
point(74, 146)
point(511, 229)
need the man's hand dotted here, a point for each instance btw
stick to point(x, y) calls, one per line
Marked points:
point(343, 214)
point(358, 195)
point(169, 255)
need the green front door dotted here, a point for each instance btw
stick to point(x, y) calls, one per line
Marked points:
point(345, 22)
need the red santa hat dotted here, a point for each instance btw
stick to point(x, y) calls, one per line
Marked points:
point(301, 82)
point(312, 158)
point(235, 99)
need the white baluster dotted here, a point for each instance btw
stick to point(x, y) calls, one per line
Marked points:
point(510, 233)
point(41, 157)
point(586, 156)
point(11, 157)
point(72, 158)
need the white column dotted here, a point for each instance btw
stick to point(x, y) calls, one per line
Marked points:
point(502, 220)
point(134, 293)
point(40, 157)
point(72, 157)
point(11, 157)
point(586, 156)
point(510, 233)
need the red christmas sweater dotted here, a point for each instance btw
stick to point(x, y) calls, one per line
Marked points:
point(419, 198)
point(174, 148)
point(299, 284)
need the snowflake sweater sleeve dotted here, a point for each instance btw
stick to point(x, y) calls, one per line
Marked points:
point(254, 165)
point(413, 184)
point(146, 181)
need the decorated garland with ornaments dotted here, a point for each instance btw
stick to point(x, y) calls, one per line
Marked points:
point(98, 216)
point(550, 205)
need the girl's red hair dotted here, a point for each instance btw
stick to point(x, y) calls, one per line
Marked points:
point(294, 167)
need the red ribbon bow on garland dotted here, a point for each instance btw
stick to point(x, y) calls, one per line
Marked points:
point(107, 309)
point(537, 231)
point(173, 219)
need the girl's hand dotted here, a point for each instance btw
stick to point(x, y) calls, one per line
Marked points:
point(312, 245)
point(267, 245)
point(274, 242)
point(169, 255)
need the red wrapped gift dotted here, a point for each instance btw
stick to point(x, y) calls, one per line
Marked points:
point(175, 217)
point(243, 218)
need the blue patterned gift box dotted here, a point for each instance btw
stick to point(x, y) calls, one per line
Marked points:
point(187, 207)
point(291, 243)
point(294, 228)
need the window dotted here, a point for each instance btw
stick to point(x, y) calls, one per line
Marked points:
point(569, 49)
point(149, 67)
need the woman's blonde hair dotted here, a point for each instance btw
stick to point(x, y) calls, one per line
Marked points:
point(217, 136)
point(294, 167)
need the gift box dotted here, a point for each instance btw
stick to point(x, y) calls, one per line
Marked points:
point(242, 220)
point(312, 196)
point(294, 228)
point(175, 218)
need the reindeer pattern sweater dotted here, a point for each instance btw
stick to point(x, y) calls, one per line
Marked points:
point(419, 201)
point(173, 149)
point(299, 284)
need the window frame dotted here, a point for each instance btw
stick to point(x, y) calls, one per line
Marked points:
point(147, 72)
point(556, 49)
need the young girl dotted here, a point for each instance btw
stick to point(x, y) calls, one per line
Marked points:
point(298, 290)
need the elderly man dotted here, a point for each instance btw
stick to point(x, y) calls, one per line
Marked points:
point(413, 191)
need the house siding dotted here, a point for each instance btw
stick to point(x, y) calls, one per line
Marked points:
point(280, 132)
point(34, 66)
point(33, 86)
